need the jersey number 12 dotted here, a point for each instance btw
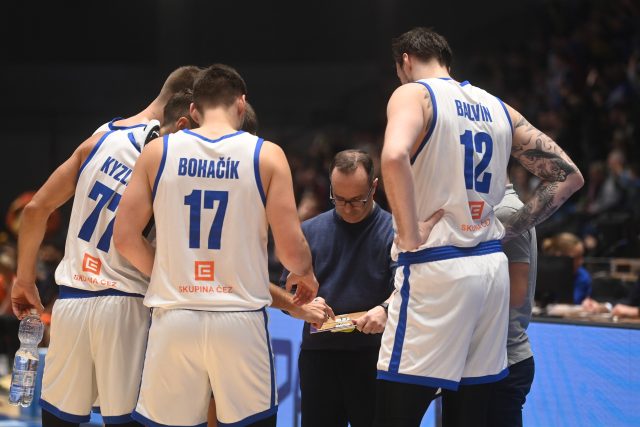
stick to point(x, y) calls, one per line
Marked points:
point(474, 144)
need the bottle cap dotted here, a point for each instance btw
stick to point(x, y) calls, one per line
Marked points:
point(33, 311)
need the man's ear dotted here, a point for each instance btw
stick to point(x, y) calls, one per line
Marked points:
point(406, 62)
point(183, 123)
point(193, 112)
point(242, 105)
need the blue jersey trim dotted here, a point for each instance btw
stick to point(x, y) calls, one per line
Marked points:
point(418, 380)
point(65, 416)
point(252, 418)
point(398, 341)
point(273, 373)
point(112, 126)
point(433, 121)
point(504, 107)
point(133, 141)
point(485, 379)
point(67, 292)
point(165, 148)
point(117, 419)
point(204, 138)
point(256, 170)
point(445, 78)
point(93, 152)
point(465, 83)
point(442, 253)
point(150, 423)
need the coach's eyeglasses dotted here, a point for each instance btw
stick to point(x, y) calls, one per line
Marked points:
point(356, 203)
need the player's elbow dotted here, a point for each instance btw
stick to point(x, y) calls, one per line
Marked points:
point(36, 209)
point(577, 180)
point(393, 159)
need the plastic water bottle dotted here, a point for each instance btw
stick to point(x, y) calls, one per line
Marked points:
point(25, 364)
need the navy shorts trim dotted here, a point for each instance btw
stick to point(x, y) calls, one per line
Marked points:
point(67, 292)
point(486, 379)
point(418, 380)
point(442, 253)
point(65, 416)
point(117, 419)
point(136, 416)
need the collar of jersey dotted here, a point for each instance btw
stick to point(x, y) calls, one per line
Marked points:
point(113, 126)
point(204, 138)
point(464, 83)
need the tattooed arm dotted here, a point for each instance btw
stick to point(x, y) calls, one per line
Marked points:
point(541, 156)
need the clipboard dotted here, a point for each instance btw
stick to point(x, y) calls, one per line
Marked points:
point(342, 323)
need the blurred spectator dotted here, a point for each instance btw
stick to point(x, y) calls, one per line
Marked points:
point(309, 206)
point(611, 193)
point(567, 244)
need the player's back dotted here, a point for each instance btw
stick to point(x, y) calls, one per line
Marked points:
point(461, 164)
point(91, 261)
point(209, 209)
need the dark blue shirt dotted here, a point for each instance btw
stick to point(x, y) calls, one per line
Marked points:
point(353, 266)
point(581, 285)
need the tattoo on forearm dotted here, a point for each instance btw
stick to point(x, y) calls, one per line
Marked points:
point(540, 207)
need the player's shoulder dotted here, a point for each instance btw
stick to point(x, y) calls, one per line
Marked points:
point(410, 89)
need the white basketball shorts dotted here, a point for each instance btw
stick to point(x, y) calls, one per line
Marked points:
point(96, 351)
point(448, 323)
point(192, 353)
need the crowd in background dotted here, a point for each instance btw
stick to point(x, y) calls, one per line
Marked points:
point(577, 80)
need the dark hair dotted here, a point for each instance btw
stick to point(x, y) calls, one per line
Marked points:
point(217, 85)
point(178, 106)
point(180, 79)
point(424, 44)
point(250, 123)
point(347, 162)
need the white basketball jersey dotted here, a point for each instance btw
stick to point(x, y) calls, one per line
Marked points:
point(209, 209)
point(461, 166)
point(91, 261)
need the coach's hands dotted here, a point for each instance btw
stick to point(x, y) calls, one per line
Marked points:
point(306, 287)
point(24, 297)
point(373, 322)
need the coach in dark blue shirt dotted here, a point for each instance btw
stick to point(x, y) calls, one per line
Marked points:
point(351, 247)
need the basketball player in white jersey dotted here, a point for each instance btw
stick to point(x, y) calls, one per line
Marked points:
point(213, 191)
point(99, 323)
point(177, 117)
point(447, 144)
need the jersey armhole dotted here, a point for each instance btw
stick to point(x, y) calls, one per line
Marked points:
point(93, 152)
point(504, 107)
point(256, 170)
point(165, 147)
point(433, 121)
